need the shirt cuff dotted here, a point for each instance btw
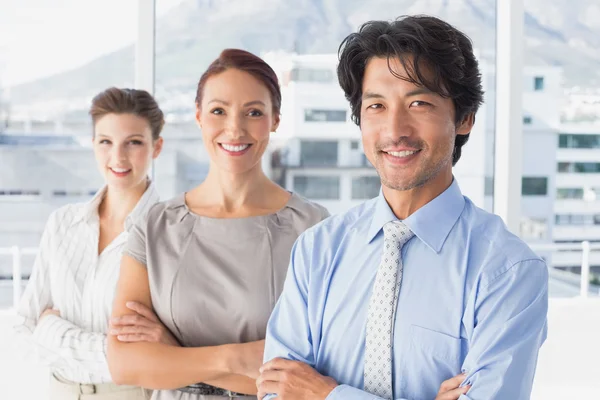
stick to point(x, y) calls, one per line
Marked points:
point(49, 328)
point(345, 392)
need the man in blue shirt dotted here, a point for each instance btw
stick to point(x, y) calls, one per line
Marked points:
point(417, 285)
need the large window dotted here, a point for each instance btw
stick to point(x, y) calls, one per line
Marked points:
point(17, 192)
point(316, 115)
point(365, 187)
point(569, 193)
point(54, 57)
point(312, 75)
point(562, 219)
point(538, 83)
point(578, 141)
point(318, 187)
point(318, 153)
point(577, 219)
point(579, 167)
point(534, 186)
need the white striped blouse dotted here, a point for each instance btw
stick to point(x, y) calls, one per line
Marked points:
point(70, 276)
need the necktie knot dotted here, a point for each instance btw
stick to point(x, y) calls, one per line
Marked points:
point(397, 232)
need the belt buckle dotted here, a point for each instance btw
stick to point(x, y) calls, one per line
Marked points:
point(87, 388)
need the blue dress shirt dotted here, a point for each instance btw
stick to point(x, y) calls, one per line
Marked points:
point(474, 298)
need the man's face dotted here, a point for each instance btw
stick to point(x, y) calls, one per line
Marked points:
point(408, 131)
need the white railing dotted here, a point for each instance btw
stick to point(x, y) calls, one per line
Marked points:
point(583, 279)
point(585, 248)
point(16, 253)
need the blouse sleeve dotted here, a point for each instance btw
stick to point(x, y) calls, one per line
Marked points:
point(136, 242)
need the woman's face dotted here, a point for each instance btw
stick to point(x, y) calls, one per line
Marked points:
point(236, 117)
point(124, 149)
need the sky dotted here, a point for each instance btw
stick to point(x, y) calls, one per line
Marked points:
point(42, 37)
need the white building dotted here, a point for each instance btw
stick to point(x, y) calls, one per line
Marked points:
point(42, 172)
point(321, 156)
point(317, 152)
point(542, 96)
point(577, 205)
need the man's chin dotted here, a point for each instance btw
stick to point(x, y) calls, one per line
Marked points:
point(398, 185)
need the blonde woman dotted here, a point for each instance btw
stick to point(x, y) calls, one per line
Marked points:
point(68, 301)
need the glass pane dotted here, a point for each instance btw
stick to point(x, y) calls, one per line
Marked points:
point(533, 228)
point(54, 57)
point(587, 167)
point(315, 115)
point(318, 187)
point(569, 193)
point(365, 187)
point(534, 186)
point(312, 75)
point(302, 49)
point(577, 219)
point(538, 83)
point(576, 141)
point(565, 167)
point(318, 153)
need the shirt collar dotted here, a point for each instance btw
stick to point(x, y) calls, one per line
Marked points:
point(148, 199)
point(89, 212)
point(431, 223)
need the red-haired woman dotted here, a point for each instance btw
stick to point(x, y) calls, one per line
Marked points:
point(211, 263)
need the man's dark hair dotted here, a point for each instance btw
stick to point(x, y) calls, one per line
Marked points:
point(434, 54)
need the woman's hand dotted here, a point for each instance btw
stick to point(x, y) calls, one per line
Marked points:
point(143, 326)
point(50, 311)
point(451, 390)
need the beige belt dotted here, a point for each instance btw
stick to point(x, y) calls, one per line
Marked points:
point(84, 388)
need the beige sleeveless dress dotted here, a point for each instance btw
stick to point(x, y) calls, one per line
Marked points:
point(215, 281)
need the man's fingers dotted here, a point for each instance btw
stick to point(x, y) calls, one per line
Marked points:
point(453, 394)
point(270, 375)
point(280, 364)
point(267, 387)
point(452, 383)
point(142, 310)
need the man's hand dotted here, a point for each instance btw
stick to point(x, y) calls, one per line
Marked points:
point(143, 326)
point(50, 311)
point(451, 390)
point(293, 380)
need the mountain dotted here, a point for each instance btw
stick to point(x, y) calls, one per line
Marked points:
point(561, 32)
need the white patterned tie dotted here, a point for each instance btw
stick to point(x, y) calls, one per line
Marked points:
point(382, 305)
